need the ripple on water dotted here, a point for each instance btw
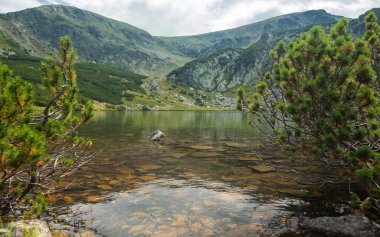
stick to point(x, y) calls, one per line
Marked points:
point(208, 180)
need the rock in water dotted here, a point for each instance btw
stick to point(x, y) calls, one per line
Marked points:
point(157, 136)
point(343, 226)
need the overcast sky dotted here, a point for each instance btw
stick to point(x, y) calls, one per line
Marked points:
point(187, 17)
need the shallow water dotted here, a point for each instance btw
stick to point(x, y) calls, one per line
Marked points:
point(209, 179)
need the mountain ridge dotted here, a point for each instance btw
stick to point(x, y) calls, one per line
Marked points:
point(211, 73)
point(104, 40)
point(192, 70)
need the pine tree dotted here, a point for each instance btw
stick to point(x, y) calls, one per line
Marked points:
point(321, 98)
point(38, 147)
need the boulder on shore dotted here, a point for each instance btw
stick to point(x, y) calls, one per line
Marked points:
point(29, 228)
point(343, 226)
point(157, 136)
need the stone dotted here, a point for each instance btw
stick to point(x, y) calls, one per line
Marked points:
point(204, 154)
point(114, 182)
point(85, 234)
point(208, 203)
point(196, 227)
point(157, 136)
point(343, 226)
point(181, 231)
point(202, 147)
point(147, 178)
point(128, 177)
point(262, 168)
point(180, 220)
point(241, 171)
point(104, 187)
point(148, 167)
point(178, 154)
point(236, 145)
point(94, 199)
point(29, 228)
point(136, 229)
point(139, 214)
point(51, 199)
point(253, 229)
point(249, 158)
point(232, 225)
point(68, 200)
point(171, 233)
point(60, 234)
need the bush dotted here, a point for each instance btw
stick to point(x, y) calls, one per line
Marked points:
point(322, 98)
point(145, 108)
point(121, 108)
point(38, 147)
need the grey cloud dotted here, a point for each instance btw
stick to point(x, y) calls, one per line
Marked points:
point(185, 17)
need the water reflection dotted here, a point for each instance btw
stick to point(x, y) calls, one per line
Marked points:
point(209, 179)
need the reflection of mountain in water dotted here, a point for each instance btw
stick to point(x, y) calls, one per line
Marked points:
point(176, 124)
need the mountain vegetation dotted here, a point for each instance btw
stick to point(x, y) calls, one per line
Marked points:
point(199, 46)
point(109, 51)
point(95, 81)
point(213, 74)
point(102, 40)
point(321, 99)
point(39, 146)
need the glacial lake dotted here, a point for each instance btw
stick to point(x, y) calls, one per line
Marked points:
point(209, 179)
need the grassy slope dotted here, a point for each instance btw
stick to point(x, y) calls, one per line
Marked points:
point(106, 84)
point(96, 82)
point(96, 38)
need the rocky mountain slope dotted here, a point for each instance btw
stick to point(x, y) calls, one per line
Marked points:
point(102, 40)
point(242, 37)
point(208, 63)
point(227, 69)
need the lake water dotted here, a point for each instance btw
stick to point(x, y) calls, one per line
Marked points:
point(209, 179)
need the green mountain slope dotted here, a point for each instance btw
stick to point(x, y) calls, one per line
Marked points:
point(96, 38)
point(102, 40)
point(217, 61)
point(95, 81)
point(223, 72)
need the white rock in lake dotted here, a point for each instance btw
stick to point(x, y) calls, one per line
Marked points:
point(157, 136)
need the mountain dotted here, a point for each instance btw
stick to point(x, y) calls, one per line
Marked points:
point(357, 26)
point(102, 40)
point(96, 38)
point(242, 37)
point(227, 69)
point(96, 82)
point(210, 63)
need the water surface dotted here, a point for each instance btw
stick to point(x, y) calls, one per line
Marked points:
point(209, 179)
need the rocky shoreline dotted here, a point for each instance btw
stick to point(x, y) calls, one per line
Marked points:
point(352, 225)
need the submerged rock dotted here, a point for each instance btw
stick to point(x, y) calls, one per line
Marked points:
point(157, 136)
point(236, 145)
point(262, 168)
point(343, 226)
point(85, 234)
point(201, 147)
